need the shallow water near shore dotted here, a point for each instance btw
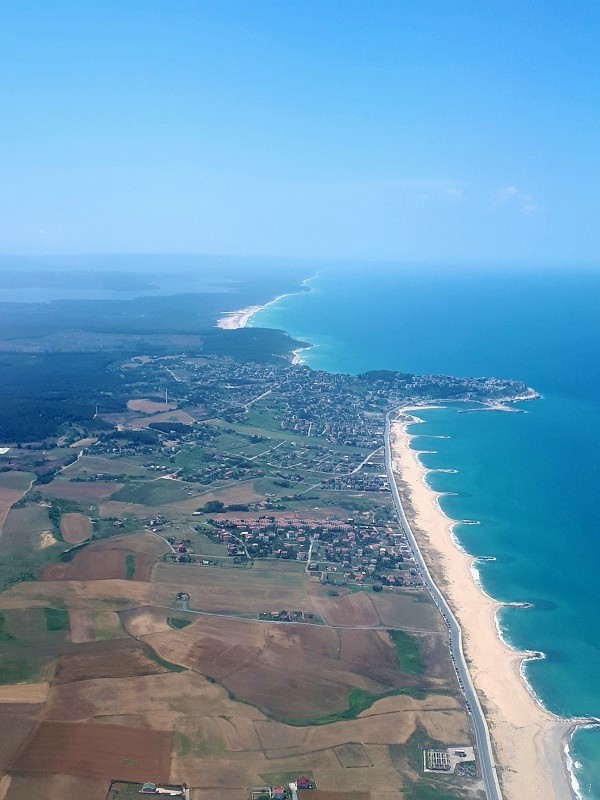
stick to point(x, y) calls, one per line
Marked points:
point(530, 479)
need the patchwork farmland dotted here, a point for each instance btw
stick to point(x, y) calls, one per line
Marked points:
point(217, 594)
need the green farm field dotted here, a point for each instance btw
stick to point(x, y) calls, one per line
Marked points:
point(22, 530)
point(16, 480)
point(157, 492)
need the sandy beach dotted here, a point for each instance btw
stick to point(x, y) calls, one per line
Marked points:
point(237, 319)
point(528, 741)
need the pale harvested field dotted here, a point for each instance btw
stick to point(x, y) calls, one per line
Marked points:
point(82, 594)
point(185, 700)
point(169, 416)
point(81, 625)
point(56, 787)
point(254, 590)
point(83, 442)
point(232, 744)
point(165, 701)
point(316, 754)
point(75, 528)
point(149, 406)
point(248, 770)
point(242, 493)
point(389, 721)
point(24, 693)
point(244, 591)
point(139, 622)
point(348, 609)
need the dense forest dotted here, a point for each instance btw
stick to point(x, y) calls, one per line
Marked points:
point(59, 359)
point(41, 392)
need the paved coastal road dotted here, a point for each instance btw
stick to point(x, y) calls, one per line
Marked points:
point(480, 728)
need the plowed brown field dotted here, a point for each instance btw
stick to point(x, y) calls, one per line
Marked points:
point(56, 787)
point(105, 559)
point(116, 663)
point(13, 732)
point(96, 751)
point(291, 671)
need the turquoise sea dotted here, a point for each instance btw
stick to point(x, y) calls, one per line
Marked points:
point(530, 480)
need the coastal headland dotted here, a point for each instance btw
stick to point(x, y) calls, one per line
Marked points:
point(232, 320)
point(527, 740)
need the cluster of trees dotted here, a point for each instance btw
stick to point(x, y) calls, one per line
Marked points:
point(217, 507)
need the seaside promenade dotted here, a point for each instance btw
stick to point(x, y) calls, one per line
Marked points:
point(480, 729)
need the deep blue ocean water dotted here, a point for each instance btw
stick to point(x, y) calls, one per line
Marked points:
point(531, 480)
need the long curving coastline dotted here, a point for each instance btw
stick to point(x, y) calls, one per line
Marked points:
point(529, 745)
point(528, 741)
point(232, 320)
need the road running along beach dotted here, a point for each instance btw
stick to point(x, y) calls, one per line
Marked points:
point(528, 741)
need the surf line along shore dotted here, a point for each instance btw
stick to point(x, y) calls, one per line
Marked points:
point(527, 741)
point(232, 320)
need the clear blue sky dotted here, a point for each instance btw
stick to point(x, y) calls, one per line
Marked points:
point(381, 130)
